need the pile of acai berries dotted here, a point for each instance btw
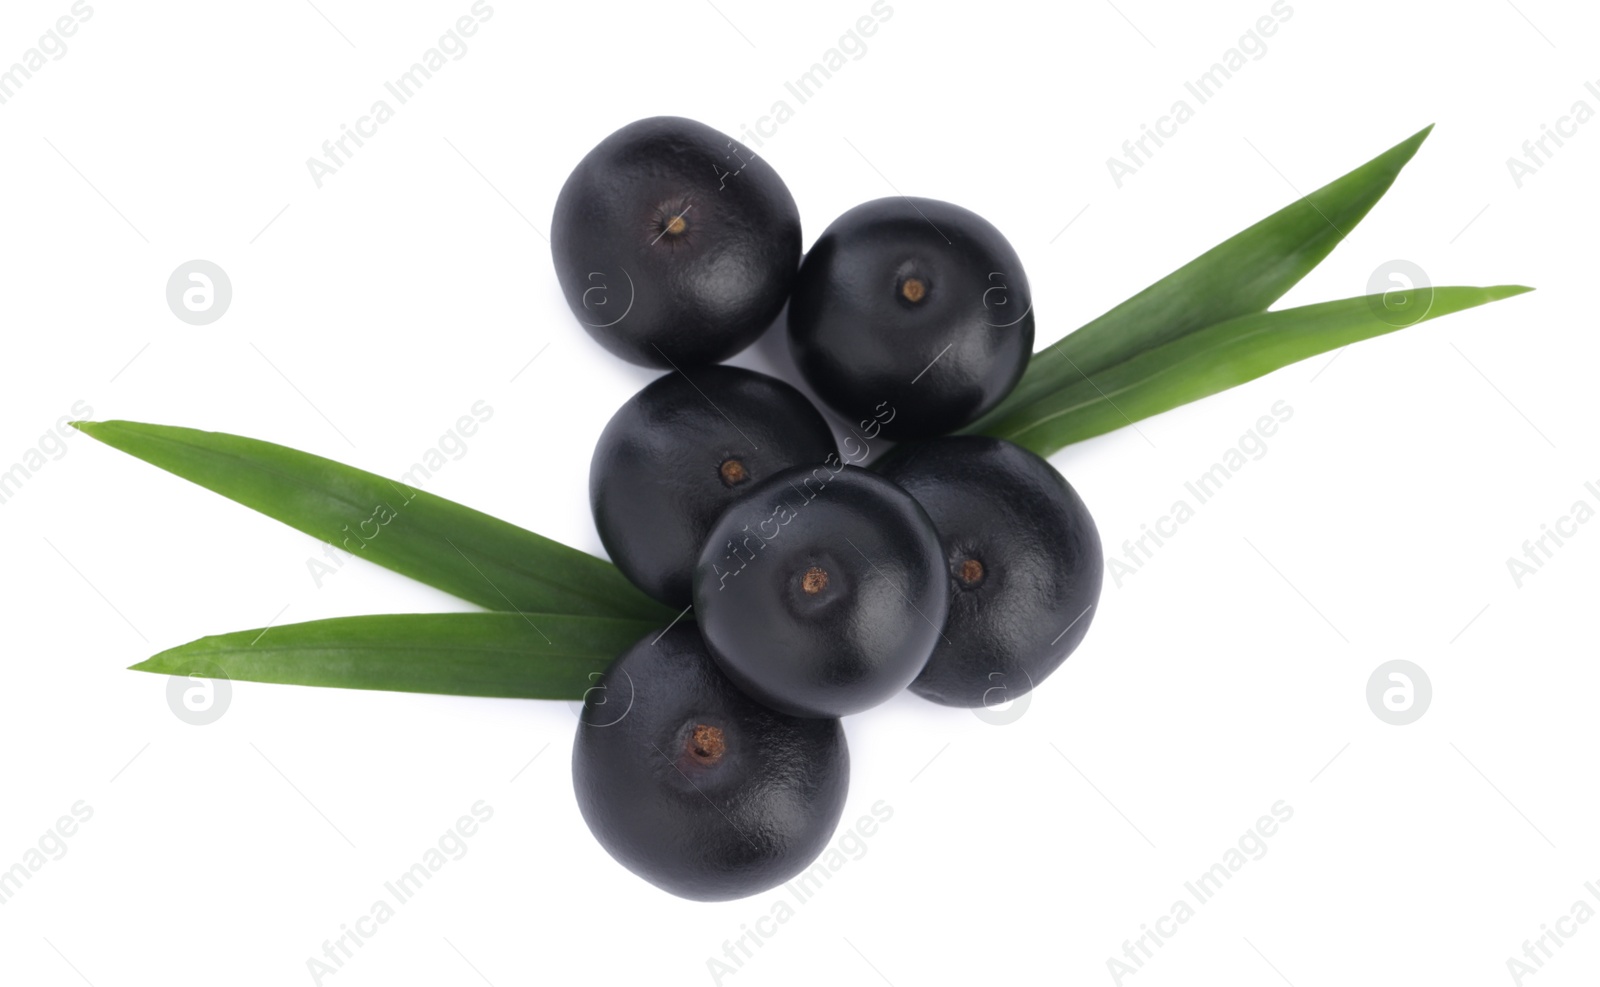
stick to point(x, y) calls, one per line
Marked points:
point(710, 759)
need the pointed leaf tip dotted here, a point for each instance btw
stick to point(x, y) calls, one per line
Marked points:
point(1244, 274)
point(467, 553)
point(1214, 359)
point(502, 655)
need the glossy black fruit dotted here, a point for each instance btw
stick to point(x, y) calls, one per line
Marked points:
point(914, 304)
point(674, 244)
point(696, 788)
point(822, 592)
point(679, 452)
point(1023, 563)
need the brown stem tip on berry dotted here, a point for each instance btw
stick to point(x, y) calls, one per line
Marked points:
point(814, 581)
point(733, 472)
point(971, 572)
point(706, 744)
point(913, 290)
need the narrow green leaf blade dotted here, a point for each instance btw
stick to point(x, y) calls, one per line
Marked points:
point(478, 558)
point(1219, 357)
point(505, 655)
point(1242, 275)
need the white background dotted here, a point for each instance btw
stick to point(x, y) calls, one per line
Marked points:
point(1229, 673)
